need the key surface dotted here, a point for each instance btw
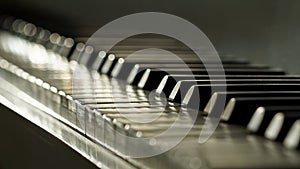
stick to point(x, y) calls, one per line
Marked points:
point(204, 91)
point(263, 116)
point(280, 125)
point(240, 110)
point(181, 87)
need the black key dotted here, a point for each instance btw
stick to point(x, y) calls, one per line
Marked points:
point(204, 92)
point(169, 81)
point(263, 116)
point(124, 68)
point(103, 61)
point(108, 64)
point(181, 87)
point(86, 55)
point(7, 22)
point(292, 139)
point(189, 60)
point(43, 36)
point(97, 62)
point(199, 65)
point(77, 51)
point(149, 79)
point(67, 45)
point(53, 42)
point(281, 124)
point(2, 18)
point(240, 110)
point(217, 96)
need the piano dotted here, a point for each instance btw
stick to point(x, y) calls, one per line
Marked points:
point(70, 100)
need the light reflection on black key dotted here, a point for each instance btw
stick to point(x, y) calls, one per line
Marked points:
point(149, 79)
point(240, 110)
point(204, 92)
point(183, 86)
point(263, 116)
point(281, 124)
point(292, 140)
point(217, 96)
point(169, 81)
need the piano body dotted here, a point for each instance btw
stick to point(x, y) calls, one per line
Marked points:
point(64, 111)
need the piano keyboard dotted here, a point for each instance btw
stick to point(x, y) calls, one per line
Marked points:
point(260, 123)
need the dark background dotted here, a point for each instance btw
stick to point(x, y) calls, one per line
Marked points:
point(266, 31)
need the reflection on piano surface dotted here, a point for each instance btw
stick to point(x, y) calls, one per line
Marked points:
point(44, 78)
